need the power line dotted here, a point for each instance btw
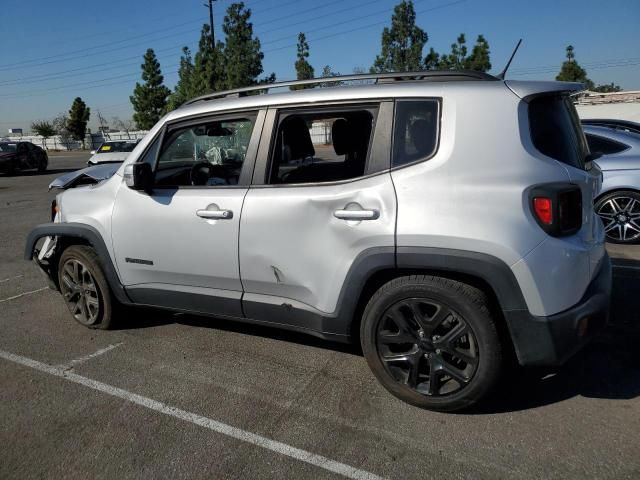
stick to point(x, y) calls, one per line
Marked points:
point(364, 27)
point(72, 53)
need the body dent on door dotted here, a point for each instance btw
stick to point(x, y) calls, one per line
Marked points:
point(293, 247)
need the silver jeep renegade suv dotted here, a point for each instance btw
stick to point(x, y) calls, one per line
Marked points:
point(442, 219)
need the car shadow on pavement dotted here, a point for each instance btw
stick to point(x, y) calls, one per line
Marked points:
point(607, 368)
point(149, 317)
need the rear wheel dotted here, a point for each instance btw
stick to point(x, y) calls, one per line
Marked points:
point(432, 342)
point(84, 287)
point(620, 213)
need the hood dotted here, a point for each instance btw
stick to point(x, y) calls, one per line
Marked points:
point(109, 157)
point(86, 176)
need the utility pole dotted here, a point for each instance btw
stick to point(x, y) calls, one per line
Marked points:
point(213, 38)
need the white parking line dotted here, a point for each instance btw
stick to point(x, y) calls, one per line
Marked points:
point(219, 427)
point(23, 294)
point(10, 278)
point(77, 361)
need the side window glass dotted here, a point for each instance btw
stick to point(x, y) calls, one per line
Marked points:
point(415, 131)
point(206, 154)
point(315, 147)
point(602, 145)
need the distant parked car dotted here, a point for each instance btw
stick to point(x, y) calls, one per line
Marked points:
point(22, 156)
point(625, 125)
point(112, 151)
point(618, 203)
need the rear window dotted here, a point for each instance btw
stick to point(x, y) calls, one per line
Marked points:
point(556, 130)
point(604, 145)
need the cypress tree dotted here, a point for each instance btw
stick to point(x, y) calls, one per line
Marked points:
point(79, 116)
point(183, 90)
point(304, 70)
point(149, 99)
point(402, 44)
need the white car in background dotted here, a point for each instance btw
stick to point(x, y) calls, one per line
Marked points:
point(112, 151)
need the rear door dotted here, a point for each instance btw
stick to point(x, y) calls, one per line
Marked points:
point(321, 197)
point(177, 246)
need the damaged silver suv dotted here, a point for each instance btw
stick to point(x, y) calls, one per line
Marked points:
point(444, 220)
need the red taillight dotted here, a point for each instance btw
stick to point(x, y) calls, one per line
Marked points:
point(543, 208)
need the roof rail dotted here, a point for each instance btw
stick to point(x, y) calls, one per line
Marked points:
point(387, 77)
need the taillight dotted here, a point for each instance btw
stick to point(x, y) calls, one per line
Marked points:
point(543, 208)
point(557, 207)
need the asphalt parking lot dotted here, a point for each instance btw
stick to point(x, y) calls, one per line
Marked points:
point(175, 396)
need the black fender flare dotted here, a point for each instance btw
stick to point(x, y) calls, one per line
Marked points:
point(492, 271)
point(91, 236)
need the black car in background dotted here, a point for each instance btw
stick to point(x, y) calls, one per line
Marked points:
point(22, 156)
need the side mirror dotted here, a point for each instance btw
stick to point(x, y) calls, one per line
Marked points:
point(138, 176)
point(93, 152)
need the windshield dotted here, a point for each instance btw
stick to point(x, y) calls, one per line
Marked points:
point(111, 147)
point(7, 147)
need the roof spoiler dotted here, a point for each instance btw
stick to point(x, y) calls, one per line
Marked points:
point(527, 90)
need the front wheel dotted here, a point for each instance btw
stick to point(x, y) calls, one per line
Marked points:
point(42, 164)
point(620, 213)
point(432, 342)
point(84, 287)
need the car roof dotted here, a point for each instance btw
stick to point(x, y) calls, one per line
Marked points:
point(363, 92)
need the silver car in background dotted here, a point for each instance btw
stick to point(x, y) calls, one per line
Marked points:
point(618, 203)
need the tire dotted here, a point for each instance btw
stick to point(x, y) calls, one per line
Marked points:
point(454, 319)
point(619, 210)
point(85, 289)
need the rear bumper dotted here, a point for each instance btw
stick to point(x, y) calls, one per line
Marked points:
point(548, 341)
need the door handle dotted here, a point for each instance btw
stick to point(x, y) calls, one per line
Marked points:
point(356, 214)
point(215, 214)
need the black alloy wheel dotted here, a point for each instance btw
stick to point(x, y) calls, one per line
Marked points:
point(432, 342)
point(427, 346)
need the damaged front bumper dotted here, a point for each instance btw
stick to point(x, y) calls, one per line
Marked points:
point(44, 259)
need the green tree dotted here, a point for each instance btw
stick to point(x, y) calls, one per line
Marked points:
point(208, 70)
point(572, 72)
point(402, 44)
point(432, 60)
point(183, 89)
point(607, 88)
point(480, 58)
point(79, 116)
point(44, 129)
point(304, 70)
point(459, 58)
point(149, 99)
point(242, 52)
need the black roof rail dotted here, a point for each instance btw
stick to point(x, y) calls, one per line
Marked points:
point(387, 77)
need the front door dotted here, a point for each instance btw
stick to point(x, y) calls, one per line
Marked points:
point(177, 246)
point(322, 196)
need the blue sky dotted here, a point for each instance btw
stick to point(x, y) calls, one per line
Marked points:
point(54, 51)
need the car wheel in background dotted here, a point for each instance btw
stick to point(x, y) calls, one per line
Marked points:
point(432, 342)
point(620, 213)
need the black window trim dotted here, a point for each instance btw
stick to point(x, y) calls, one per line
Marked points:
point(438, 101)
point(624, 146)
point(257, 114)
point(382, 123)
